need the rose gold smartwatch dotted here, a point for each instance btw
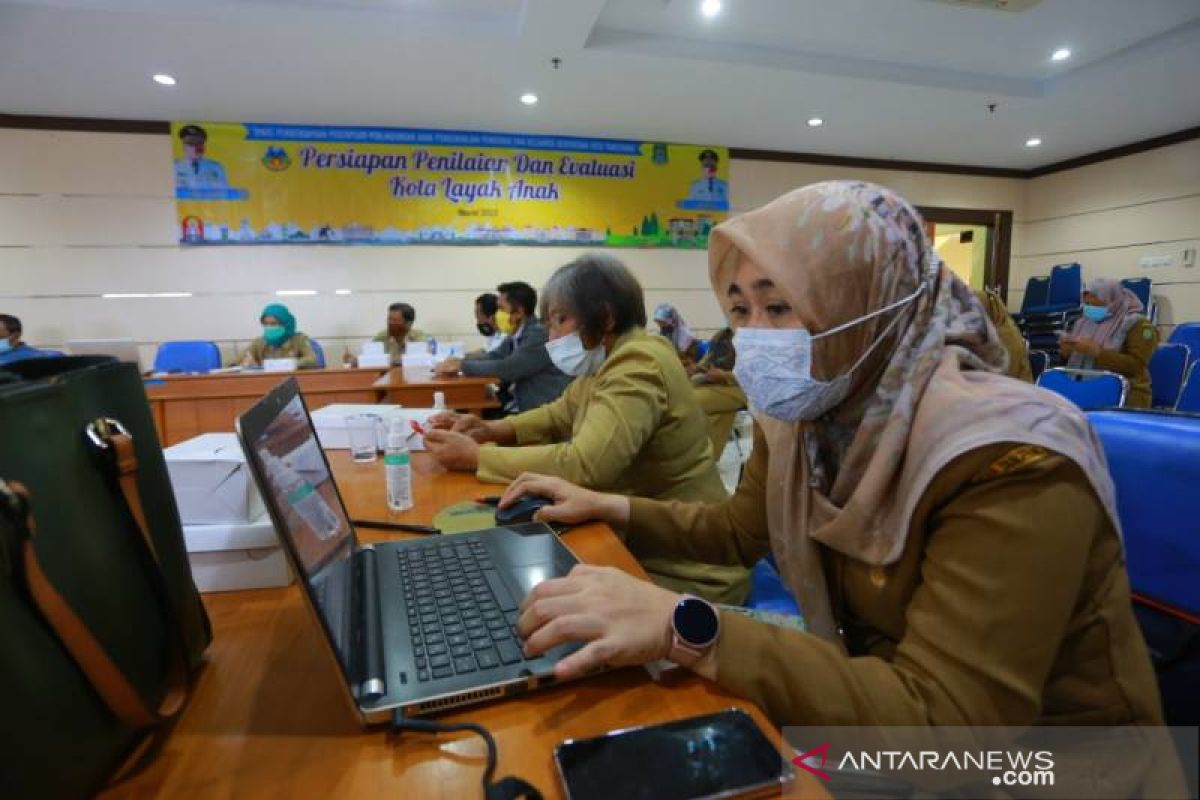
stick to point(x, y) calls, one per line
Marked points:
point(695, 626)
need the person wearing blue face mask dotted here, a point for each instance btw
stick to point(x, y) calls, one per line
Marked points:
point(1113, 334)
point(949, 533)
point(12, 348)
point(628, 423)
point(280, 339)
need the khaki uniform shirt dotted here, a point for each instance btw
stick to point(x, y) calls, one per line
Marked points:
point(1009, 605)
point(1010, 336)
point(1133, 362)
point(633, 428)
point(395, 347)
point(296, 346)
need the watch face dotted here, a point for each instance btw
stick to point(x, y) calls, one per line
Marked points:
point(695, 621)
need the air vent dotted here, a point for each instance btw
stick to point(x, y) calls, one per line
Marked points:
point(991, 5)
point(430, 706)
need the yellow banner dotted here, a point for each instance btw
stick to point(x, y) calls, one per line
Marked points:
point(258, 183)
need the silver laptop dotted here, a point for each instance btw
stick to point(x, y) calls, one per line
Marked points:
point(420, 625)
point(120, 349)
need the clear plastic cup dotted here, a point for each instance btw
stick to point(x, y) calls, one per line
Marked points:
point(363, 432)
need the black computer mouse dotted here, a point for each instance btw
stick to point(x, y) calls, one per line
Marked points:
point(522, 510)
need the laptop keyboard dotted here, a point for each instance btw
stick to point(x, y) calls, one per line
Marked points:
point(462, 617)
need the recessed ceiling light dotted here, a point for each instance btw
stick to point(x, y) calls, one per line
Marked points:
point(1033, 142)
point(710, 8)
point(164, 79)
point(529, 98)
point(341, 291)
point(295, 292)
point(1061, 54)
point(816, 122)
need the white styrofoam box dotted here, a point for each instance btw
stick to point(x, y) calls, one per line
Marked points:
point(330, 423)
point(230, 557)
point(279, 365)
point(419, 360)
point(374, 360)
point(412, 348)
point(211, 480)
point(373, 349)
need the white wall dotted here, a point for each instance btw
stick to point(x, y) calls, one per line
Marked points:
point(83, 214)
point(1107, 216)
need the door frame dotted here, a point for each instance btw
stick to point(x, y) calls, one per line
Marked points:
point(999, 239)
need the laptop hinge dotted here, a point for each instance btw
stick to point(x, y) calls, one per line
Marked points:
point(370, 641)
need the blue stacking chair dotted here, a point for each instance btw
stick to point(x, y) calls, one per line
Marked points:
point(702, 348)
point(768, 592)
point(1088, 389)
point(1189, 396)
point(1154, 460)
point(1066, 288)
point(187, 356)
point(1141, 287)
point(1039, 360)
point(1188, 333)
point(320, 351)
point(1168, 369)
point(1037, 294)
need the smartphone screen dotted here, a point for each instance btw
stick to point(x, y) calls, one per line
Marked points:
point(692, 758)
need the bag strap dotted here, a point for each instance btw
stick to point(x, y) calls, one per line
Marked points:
point(105, 676)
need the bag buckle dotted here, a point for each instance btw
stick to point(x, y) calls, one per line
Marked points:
point(101, 431)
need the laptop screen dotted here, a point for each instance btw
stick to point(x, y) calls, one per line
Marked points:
point(298, 489)
point(302, 490)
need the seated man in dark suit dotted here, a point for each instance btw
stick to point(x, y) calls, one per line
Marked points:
point(522, 359)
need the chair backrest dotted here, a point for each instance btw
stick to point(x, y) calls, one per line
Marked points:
point(1189, 396)
point(1088, 389)
point(1154, 460)
point(702, 348)
point(1188, 333)
point(187, 356)
point(1066, 285)
point(320, 351)
point(1037, 293)
point(1168, 368)
point(768, 591)
point(1038, 361)
point(1142, 288)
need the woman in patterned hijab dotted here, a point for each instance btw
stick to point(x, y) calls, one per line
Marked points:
point(950, 534)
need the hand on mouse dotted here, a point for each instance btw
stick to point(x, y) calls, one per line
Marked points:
point(572, 504)
point(624, 620)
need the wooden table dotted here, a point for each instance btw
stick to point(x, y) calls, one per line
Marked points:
point(189, 405)
point(414, 388)
point(267, 719)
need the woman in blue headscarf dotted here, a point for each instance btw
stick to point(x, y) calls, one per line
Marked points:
point(280, 340)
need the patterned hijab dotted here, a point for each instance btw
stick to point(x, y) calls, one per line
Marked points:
point(1124, 311)
point(681, 334)
point(930, 392)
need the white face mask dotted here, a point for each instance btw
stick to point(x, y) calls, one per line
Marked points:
point(570, 356)
point(774, 368)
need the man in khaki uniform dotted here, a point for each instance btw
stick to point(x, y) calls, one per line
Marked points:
point(717, 391)
point(400, 331)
